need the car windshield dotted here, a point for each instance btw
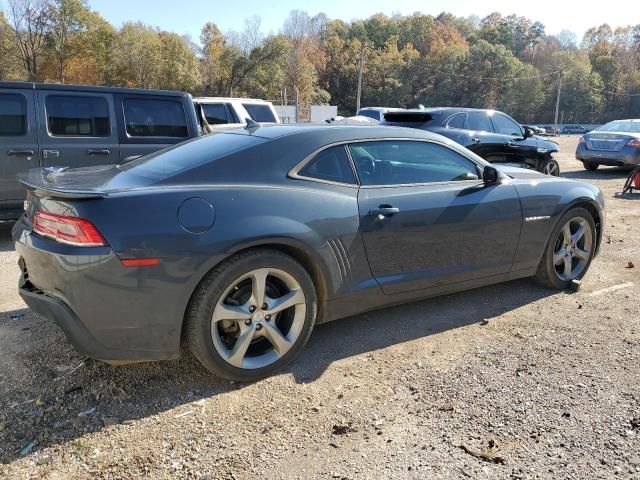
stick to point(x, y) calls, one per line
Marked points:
point(621, 126)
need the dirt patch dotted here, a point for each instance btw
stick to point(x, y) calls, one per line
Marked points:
point(534, 383)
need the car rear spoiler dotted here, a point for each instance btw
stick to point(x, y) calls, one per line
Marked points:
point(408, 116)
point(38, 181)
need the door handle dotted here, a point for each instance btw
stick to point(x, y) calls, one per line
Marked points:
point(51, 153)
point(475, 139)
point(383, 212)
point(27, 153)
point(99, 152)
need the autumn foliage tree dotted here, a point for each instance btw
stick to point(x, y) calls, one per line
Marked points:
point(505, 62)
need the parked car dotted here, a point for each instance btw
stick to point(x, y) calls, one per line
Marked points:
point(493, 135)
point(199, 242)
point(43, 125)
point(535, 129)
point(220, 112)
point(550, 130)
point(571, 129)
point(377, 113)
point(616, 143)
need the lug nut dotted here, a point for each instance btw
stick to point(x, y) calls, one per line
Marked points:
point(267, 317)
point(265, 306)
point(247, 321)
point(252, 308)
point(259, 326)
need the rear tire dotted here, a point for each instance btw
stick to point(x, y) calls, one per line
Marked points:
point(251, 315)
point(591, 166)
point(570, 250)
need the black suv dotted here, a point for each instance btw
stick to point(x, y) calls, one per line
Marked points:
point(493, 135)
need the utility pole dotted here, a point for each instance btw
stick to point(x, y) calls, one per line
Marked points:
point(558, 101)
point(297, 104)
point(360, 77)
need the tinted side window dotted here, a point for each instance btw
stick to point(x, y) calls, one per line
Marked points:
point(13, 115)
point(154, 118)
point(77, 116)
point(330, 164)
point(406, 162)
point(457, 121)
point(506, 126)
point(478, 121)
point(215, 113)
point(259, 113)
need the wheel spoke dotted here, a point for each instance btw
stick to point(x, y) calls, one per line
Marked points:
point(229, 312)
point(239, 350)
point(558, 257)
point(258, 286)
point(566, 232)
point(567, 268)
point(579, 233)
point(294, 297)
point(581, 254)
point(277, 339)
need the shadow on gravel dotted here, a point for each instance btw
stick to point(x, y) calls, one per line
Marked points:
point(603, 173)
point(50, 395)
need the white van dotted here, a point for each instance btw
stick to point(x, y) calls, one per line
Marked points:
point(221, 112)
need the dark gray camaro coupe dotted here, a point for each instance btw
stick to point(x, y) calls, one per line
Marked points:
point(239, 242)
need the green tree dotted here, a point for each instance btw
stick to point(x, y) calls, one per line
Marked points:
point(67, 19)
point(178, 68)
point(138, 49)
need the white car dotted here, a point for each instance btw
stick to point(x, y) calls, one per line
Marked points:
point(377, 113)
point(221, 112)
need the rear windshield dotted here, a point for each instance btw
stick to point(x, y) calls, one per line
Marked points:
point(370, 113)
point(176, 159)
point(260, 112)
point(630, 127)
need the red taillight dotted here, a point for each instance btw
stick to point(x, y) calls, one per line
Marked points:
point(140, 262)
point(70, 230)
point(634, 143)
point(581, 140)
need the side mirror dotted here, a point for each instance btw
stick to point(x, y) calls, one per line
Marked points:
point(528, 133)
point(490, 175)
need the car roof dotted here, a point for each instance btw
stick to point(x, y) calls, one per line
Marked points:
point(230, 99)
point(626, 120)
point(90, 88)
point(381, 109)
point(337, 132)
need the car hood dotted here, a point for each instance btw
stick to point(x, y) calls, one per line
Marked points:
point(521, 173)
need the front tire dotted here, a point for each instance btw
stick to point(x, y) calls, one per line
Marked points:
point(569, 251)
point(550, 166)
point(251, 315)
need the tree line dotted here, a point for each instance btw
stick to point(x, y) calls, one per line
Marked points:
point(504, 62)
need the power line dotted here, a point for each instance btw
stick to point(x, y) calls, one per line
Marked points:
point(498, 78)
point(557, 72)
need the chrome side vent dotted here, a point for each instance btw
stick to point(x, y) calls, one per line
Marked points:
point(342, 259)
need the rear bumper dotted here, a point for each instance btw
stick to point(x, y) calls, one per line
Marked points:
point(75, 331)
point(626, 156)
point(107, 311)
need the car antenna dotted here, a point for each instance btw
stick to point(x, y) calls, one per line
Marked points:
point(251, 125)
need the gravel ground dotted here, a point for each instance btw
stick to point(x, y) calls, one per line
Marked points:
point(510, 381)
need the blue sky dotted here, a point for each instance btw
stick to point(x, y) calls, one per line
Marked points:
point(188, 16)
